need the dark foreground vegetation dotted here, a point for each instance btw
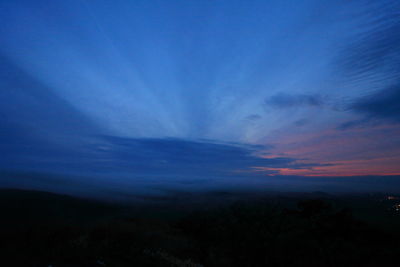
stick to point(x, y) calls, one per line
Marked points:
point(43, 229)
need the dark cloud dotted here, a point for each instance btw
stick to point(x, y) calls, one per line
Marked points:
point(283, 101)
point(146, 157)
point(180, 156)
point(384, 104)
point(253, 117)
point(359, 123)
point(110, 166)
point(377, 108)
point(301, 122)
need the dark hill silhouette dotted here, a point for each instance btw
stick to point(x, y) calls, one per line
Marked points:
point(21, 207)
point(42, 229)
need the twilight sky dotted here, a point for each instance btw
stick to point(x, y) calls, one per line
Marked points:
point(199, 94)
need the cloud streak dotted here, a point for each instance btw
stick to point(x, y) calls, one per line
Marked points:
point(284, 101)
point(374, 59)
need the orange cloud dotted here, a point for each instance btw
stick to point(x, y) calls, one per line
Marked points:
point(357, 152)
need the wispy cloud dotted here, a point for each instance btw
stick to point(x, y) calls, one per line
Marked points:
point(373, 58)
point(284, 101)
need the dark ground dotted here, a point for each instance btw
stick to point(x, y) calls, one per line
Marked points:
point(214, 229)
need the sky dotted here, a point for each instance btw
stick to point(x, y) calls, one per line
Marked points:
point(155, 95)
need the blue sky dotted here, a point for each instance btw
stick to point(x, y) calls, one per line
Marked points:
point(218, 91)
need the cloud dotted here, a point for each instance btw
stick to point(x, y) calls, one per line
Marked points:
point(283, 101)
point(253, 117)
point(377, 108)
point(351, 124)
point(384, 104)
point(110, 166)
point(373, 59)
point(374, 53)
point(301, 122)
point(172, 156)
